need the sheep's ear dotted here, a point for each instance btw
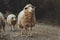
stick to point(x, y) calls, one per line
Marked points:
point(33, 7)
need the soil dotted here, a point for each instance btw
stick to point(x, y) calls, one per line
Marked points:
point(40, 32)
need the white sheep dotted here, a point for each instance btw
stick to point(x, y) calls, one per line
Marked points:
point(26, 18)
point(11, 20)
point(2, 22)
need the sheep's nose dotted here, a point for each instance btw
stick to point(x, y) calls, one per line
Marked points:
point(14, 19)
point(31, 10)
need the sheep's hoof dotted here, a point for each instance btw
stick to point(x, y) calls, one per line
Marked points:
point(30, 35)
point(12, 30)
point(4, 30)
point(22, 35)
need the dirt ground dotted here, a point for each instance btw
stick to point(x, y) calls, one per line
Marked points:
point(40, 32)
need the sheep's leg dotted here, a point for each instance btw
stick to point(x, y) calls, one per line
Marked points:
point(12, 28)
point(22, 32)
point(27, 31)
point(21, 29)
point(30, 31)
point(0, 30)
point(4, 27)
point(18, 26)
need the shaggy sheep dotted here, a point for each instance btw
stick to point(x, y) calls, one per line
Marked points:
point(11, 20)
point(26, 19)
point(2, 22)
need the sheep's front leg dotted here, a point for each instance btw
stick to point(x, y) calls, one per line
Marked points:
point(0, 30)
point(30, 31)
point(22, 34)
point(27, 31)
point(4, 27)
point(12, 28)
point(21, 29)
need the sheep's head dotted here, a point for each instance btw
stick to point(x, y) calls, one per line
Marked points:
point(29, 8)
point(13, 19)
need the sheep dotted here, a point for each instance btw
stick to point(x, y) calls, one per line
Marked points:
point(26, 19)
point(7, 13)
point(11, 20)
point(2, 22)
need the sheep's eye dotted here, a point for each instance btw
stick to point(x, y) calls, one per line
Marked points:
point(12, 17)
point(25, 8)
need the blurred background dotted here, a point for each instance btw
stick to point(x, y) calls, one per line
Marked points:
point(47, 11)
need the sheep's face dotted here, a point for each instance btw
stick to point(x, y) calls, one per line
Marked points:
point(14, 18)
point(29, 8)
